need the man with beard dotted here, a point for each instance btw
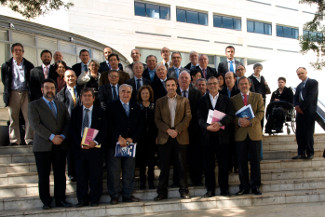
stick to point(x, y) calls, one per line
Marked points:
point(49, 119)
point(39, 73)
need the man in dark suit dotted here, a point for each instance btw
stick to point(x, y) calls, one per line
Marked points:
point(194, 149)
point(109, 92)
point(230, 64)
point(125, 123)
point(135, 55)
point(113, 60)
point(137, 81)
point(150, 72)
point(158, 83)
point(176, 68)
point(230, 91)
point(172, 118)
point(206, 71)
point(194, 61)
point(88, 159)
point(165, 54)
point(39, 73)
point(215, 139)
point(201, 85)
point(69, 95)
point(15, 74)
point(49, 119)
point(248, 137)
point(305, 102)
point(81, 67)
point(105, 66)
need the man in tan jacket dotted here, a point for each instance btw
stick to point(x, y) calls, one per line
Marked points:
point(172, 118)
point(248, 136)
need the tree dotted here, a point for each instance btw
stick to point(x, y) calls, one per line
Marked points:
point(34, 8)
point(313, 38)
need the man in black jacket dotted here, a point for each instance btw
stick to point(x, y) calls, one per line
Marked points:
point(15, 74)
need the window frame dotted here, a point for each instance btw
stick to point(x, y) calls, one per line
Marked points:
point(233, 19)
point(147, 14)
point(264, 27)
point(198, 19)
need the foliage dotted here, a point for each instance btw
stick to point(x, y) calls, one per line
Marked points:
point(313, 38)
point(34, 8)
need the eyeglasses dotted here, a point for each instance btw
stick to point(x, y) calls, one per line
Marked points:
point(214, 83)
point(240, 69)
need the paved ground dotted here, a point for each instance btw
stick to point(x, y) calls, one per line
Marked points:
point(296, 210)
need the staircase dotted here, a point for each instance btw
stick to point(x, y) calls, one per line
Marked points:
point(284, 181)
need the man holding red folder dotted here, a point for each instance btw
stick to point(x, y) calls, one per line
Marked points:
point(214, 139)
point(88, 159)
point(248, 136)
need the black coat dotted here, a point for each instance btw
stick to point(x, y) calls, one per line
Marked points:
point(6, 75)
point(105, 95)
point(133, 84)
point(224, 105)
point(36, 78)
point(210, 72)
point(158, 87)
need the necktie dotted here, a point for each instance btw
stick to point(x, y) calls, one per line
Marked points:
point(46, 72)
point(85, 122)
point(114, 93)
point(85, 68)
point(245, 99)
point(138, 83)
point(231, 68)
point(53, 109)
point(301, 94)
point(204, 73)
point(73, 97)
point(177, 72)
point(229, 93)
point(184, 93)
point(192, 66)
point(166, 64)
point(126, 108)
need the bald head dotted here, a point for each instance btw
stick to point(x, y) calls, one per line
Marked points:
point(230, 80)
point(70, 78)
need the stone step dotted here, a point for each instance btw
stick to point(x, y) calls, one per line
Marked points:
point(290, 138)
point(288, 154)
point(32, 206)
point(17, 158)
point(16, 149)
point(284, 146)
point(17, 168)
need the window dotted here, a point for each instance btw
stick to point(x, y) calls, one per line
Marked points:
point(313, 36)
point(287, 32)
point(259, 27)
point(226, 22)
point(188, 16)
point(151, 10)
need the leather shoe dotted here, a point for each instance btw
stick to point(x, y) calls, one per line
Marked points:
point(131, 199)
point(185, 195)
point(94, 204)
point(160, 197)
point(225, 193)
point(63, 204)
point(114, 201)
point(298, 157)
point(309, 157)
point(45, 206)
point(81, 204)
point(242, 192)
point(256, 191)
point(209, 194)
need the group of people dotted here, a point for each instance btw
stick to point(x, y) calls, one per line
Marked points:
point(160, 106)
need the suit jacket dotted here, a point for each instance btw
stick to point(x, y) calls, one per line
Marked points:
point(146, 74)
point(223, 105)
point(44, 123)
point(77, 68)
point(255, 131)
point(123, 77)
point(98, 121)
point(65, 97)
point(233, 92)
point(188, 66)
point(171, 72)
point(310, 96)
point(223, 67)
point(36, 78)
point(6, 76)
point(182, 119)
point(210, 72)
point(158, 87)
point(105, 95)
point(103, 67)
point(133, 84)
point(259, 87)
point(121, 124)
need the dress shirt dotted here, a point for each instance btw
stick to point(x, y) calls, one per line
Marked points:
point(257, 78)
point(116, 91)
point(242, 96)
point(46, 70)
point(204, 72)
point(303, 86)
point(18, 76)
point(187, 91)
point(83, 67)
point(128, 104)
point(172, 103)
point(136, 82)
point(152, 74)
point(213, 100)
point(55, 108)
point(74, 89)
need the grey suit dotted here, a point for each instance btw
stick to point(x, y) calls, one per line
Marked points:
point(172, 73)
point(44, 123)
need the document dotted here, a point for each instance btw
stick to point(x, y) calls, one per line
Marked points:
point(245, 112)
point(88, 135)
point(215, 116)
point(127, 151)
